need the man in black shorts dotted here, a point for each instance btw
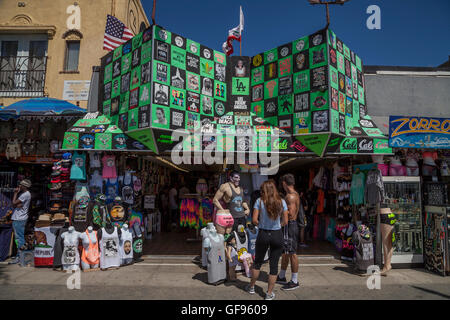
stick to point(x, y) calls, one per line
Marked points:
point(290, 232)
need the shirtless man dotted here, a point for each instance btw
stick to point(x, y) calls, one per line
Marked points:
point(291, 230)
point(233, 195)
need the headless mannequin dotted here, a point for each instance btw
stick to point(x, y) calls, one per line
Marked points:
point(126, 246)
point(216, 258)
point(71, 256)
point(386, 236)
point(396, 167)
point(225, 194)
point(205, 233)
point(109, 229)
point(85, 237)
point(384, 168)
point(201, 188)
point(396, 160)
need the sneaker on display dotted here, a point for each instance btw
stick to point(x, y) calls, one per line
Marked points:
point(290, 286)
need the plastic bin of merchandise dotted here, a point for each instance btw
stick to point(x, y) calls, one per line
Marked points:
point(403, 196)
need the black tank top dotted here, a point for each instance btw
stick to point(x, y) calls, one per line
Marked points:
point(235, 205)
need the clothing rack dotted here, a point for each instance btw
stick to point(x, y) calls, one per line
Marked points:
point(197, 231)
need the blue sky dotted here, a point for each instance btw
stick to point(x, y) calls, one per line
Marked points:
point(413, 32)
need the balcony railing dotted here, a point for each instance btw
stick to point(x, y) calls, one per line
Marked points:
point(22, 76)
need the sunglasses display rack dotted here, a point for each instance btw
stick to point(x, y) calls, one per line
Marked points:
point(403, 197)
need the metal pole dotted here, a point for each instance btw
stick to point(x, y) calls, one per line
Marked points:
point(153, 11)
point(328, 14)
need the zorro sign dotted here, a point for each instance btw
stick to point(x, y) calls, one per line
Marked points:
point(419, 132)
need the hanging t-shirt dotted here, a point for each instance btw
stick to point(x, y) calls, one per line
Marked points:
point(32, 129)
point(109, 246)
point(137, 241)
point(127, 188)
point(111, 190)
point(96, 180)
point(45, 130)
point(82, 217)
point(19, 130)
point(81, 190)
point(109, 167)
point(42, 148)
point(6, 128)
point(357, 188)
point(78, 170)
point(118, 214)
point(95, 160)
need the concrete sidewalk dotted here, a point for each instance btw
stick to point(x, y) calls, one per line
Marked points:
point(178, 278)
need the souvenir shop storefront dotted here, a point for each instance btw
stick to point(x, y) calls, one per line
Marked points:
point(29, 141)
point(104, 188)
point(303, 99)
point(163, 94)
point(421, 149)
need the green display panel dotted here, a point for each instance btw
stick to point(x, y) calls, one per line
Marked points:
point(127, 79)
point(102, 134)
point(294, 81)
point(346, 88)
point(311, 89)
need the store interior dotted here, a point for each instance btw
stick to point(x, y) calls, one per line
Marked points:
point(65, 193)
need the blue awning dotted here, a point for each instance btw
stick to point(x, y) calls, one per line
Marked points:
point(42, 106)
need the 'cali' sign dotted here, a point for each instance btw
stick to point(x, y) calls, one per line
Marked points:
point(419, 132)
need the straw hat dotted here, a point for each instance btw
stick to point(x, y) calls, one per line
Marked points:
point(385, 210)
point(26, 183)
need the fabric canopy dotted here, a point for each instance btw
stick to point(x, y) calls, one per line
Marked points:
point(96, 132)
point(39, 106)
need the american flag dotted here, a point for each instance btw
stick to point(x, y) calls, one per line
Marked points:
point(116, 33)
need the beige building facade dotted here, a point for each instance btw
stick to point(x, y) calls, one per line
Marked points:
point(48, 47)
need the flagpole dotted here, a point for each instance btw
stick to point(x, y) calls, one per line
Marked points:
point(240, 31)
point(153, 12)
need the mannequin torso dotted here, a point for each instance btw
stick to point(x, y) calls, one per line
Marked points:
point(90, 255)
point(109, 246)
point(126, 250)
point(214, 244)
point(71, 256)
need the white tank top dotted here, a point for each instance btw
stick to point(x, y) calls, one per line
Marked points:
point(71, 256)
point(241, 245)
point(126, 244)
point(109, 246)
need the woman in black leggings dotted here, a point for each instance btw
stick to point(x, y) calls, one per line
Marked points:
point(270, 213)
